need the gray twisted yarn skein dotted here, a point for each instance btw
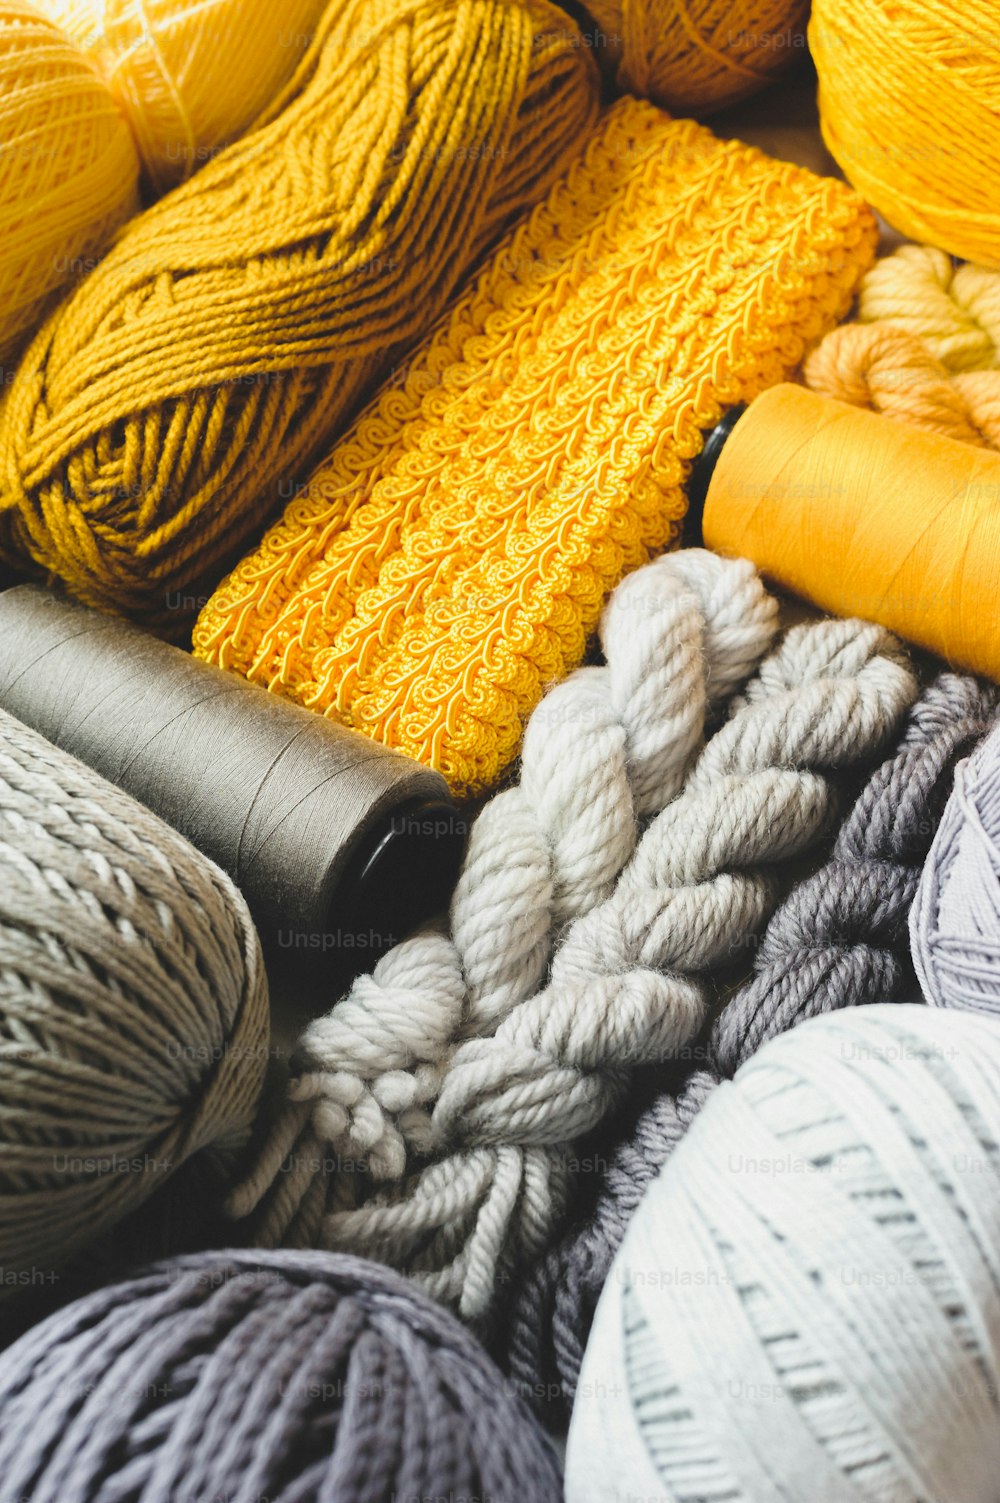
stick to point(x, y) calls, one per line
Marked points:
point(606, 748)
point(296, 1377)
point(133, 1004)
point(625, 986)
point(839, 939)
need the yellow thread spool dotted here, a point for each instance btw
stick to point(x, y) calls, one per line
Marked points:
point(866, 517)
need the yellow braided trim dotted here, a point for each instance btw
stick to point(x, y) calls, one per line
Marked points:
point(452, 555)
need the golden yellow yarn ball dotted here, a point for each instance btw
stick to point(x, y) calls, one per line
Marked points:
point(697, 56)
point(909, 94)
point(68, 168)
point(190, 77)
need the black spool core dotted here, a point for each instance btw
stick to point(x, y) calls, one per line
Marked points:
point(401, 875)
point(702, 471)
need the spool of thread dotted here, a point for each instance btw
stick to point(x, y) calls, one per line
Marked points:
point(133, 1009)
point(932, 172)
point(955, 920)
point(807, 1302)
point(338, 845)
point(246, 1376)
point(189, 78)
point(912, 518)
point(146, 437)
point(69, 173)
point(430, 581)
point(696, 56)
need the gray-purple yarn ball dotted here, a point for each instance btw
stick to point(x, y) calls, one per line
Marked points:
point(295, 1377)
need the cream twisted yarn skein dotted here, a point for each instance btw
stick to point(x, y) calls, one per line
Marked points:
point(838, 939)
point(624, 987)
point(953, 310)
point(133, 1005)
point(606, 749)
point(807, 1303)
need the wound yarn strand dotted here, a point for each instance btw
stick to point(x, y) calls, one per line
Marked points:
point(607, 748)
point(839, 939)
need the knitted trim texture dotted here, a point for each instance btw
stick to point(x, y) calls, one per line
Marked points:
point(452, 555)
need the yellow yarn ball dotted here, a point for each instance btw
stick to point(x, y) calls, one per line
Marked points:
point(909, 94)
point(68, 168)
point(190, 77)
point(696, 56)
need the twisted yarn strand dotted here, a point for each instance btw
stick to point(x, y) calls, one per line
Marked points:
point(953, 310)
point(453, 553)
point(605, 750)
point(839, 939)
point(887, 370)
point(237, 322)
point(625, 985)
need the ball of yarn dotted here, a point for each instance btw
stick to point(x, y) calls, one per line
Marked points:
point(807, 1303)
point(930, 169)
point(190, 78)
point(955, 919)
point(953, 310)
point(253, 1376)
point(236, 323)
point(68, 167)
point(133, 1005)
point(696, 56)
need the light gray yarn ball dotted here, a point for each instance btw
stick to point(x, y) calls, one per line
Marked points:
point(806, 1305)
point(133, 1006)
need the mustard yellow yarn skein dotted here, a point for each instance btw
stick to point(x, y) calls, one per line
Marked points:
point(68, 168)
point(909, 97)
point(697, 56)
point(235, 325)
point(190, 77)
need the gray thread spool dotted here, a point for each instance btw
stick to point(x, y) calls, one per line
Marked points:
point(331, 837)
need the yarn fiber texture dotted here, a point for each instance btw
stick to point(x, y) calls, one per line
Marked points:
point(69, 173)
point(699, 55)
point(807, 1302)
point(604, 752)
point(930, 171)
point(887, 369)
point(189, 78)
point(626, 987)
point(839, 939)
point(283, 1375)
point(237, 322)
point(452, 555)
point(954, 310)
point(955, 921)
point(133, 1010)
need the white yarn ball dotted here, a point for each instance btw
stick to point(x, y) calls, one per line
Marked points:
point(806, 1307)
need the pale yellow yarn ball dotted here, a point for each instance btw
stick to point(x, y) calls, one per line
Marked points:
point(68, 168)
point(697, 56)
point(190, 75)
point(909, 95)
